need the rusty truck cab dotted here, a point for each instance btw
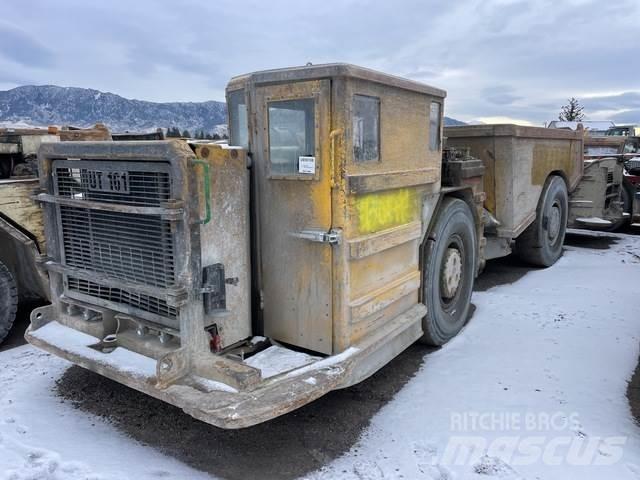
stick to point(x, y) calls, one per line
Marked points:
point(343, 158)
point(282, 266)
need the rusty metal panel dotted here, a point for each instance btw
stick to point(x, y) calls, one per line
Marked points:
point(518, 161)
point(383, 208)
point(16, 205)
point(225, 239)
point(296, 270)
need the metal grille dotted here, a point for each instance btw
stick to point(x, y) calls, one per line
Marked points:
point(131, 247)
point(113, 183)
point(633, 164)
point(142, 302)
point(125, 246)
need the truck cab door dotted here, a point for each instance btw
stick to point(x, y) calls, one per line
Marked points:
point(293, 202)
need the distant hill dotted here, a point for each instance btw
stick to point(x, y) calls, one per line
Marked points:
point(83, 107)
point(452, 122)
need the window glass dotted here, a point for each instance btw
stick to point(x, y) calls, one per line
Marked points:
point(291, 134)
point(238, 126)
point(366, 128)
point(434, 126)
point(599, 150)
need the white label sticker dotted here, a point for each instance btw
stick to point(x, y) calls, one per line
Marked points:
point(307, 165)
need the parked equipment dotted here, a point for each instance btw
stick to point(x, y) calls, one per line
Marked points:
point(242, 282)
point(22, 236)
point(619, 153)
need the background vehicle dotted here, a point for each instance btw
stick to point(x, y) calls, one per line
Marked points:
point(625, 150)
point(22, 237)
point(624, 131)
point(595, 128)
point(241, 294)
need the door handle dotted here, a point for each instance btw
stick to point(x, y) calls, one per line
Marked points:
point(331, 237)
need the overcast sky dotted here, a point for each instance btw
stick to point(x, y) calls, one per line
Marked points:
point(497, 59)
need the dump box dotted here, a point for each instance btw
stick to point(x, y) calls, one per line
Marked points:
point(518, 161)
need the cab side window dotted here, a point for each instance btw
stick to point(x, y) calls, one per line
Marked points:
point(366, 128)
point(434, 126)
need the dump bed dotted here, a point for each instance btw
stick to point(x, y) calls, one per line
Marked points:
point(518, 161)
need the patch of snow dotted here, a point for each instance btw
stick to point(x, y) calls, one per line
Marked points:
point(593, 221)
point(78, 343)
point(276, 360)
point(213, 385)
point(544, 362)
point(42, 438)
point(325, 362)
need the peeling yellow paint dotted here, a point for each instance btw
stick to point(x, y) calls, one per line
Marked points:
point(380, 210)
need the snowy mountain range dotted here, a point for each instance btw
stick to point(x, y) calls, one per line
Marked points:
point(45, 105)
point(83, 107)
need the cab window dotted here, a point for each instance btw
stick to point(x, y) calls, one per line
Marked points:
point(366, 128)
point(434, 126)
point(291, 136)
point(238, 126)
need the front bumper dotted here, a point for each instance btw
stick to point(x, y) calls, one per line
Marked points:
point(217, 403)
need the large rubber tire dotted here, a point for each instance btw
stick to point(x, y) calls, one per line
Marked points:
point(448, 272)
point(8, 301)
point(626, 207)
point(541, 243)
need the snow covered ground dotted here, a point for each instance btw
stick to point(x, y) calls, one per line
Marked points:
point(534, 387)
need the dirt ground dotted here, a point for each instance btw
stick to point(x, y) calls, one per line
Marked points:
point(299, 442)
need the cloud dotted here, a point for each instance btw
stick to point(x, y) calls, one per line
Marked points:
point(500, 95)
point(20, 47)
point(626, 100)
point(628, 117)
point(495, 58)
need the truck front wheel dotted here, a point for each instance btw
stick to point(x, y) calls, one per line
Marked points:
point(448, 271)
point(541, 243)
point(8, 301)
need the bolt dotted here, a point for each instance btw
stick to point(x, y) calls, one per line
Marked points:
point(142, 330)
point(165, 338)
point(165, 365)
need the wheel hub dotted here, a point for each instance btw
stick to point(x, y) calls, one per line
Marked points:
point(553, 229)
point(451, 273)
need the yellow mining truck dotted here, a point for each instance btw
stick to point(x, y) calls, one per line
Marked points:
point(241, 282)
point(22, 237)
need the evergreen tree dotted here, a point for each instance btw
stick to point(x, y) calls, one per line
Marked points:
point(216, 136)
point(571, 112)
point(186, 134)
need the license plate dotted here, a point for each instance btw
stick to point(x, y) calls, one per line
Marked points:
point(112, 182)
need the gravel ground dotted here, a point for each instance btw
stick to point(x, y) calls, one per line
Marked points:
point(299, 442)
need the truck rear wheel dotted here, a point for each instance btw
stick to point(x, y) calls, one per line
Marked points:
point(541, 243)
point(8, 301)
point(448, 271)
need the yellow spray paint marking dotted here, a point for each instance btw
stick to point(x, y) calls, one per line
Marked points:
point(378, 211)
